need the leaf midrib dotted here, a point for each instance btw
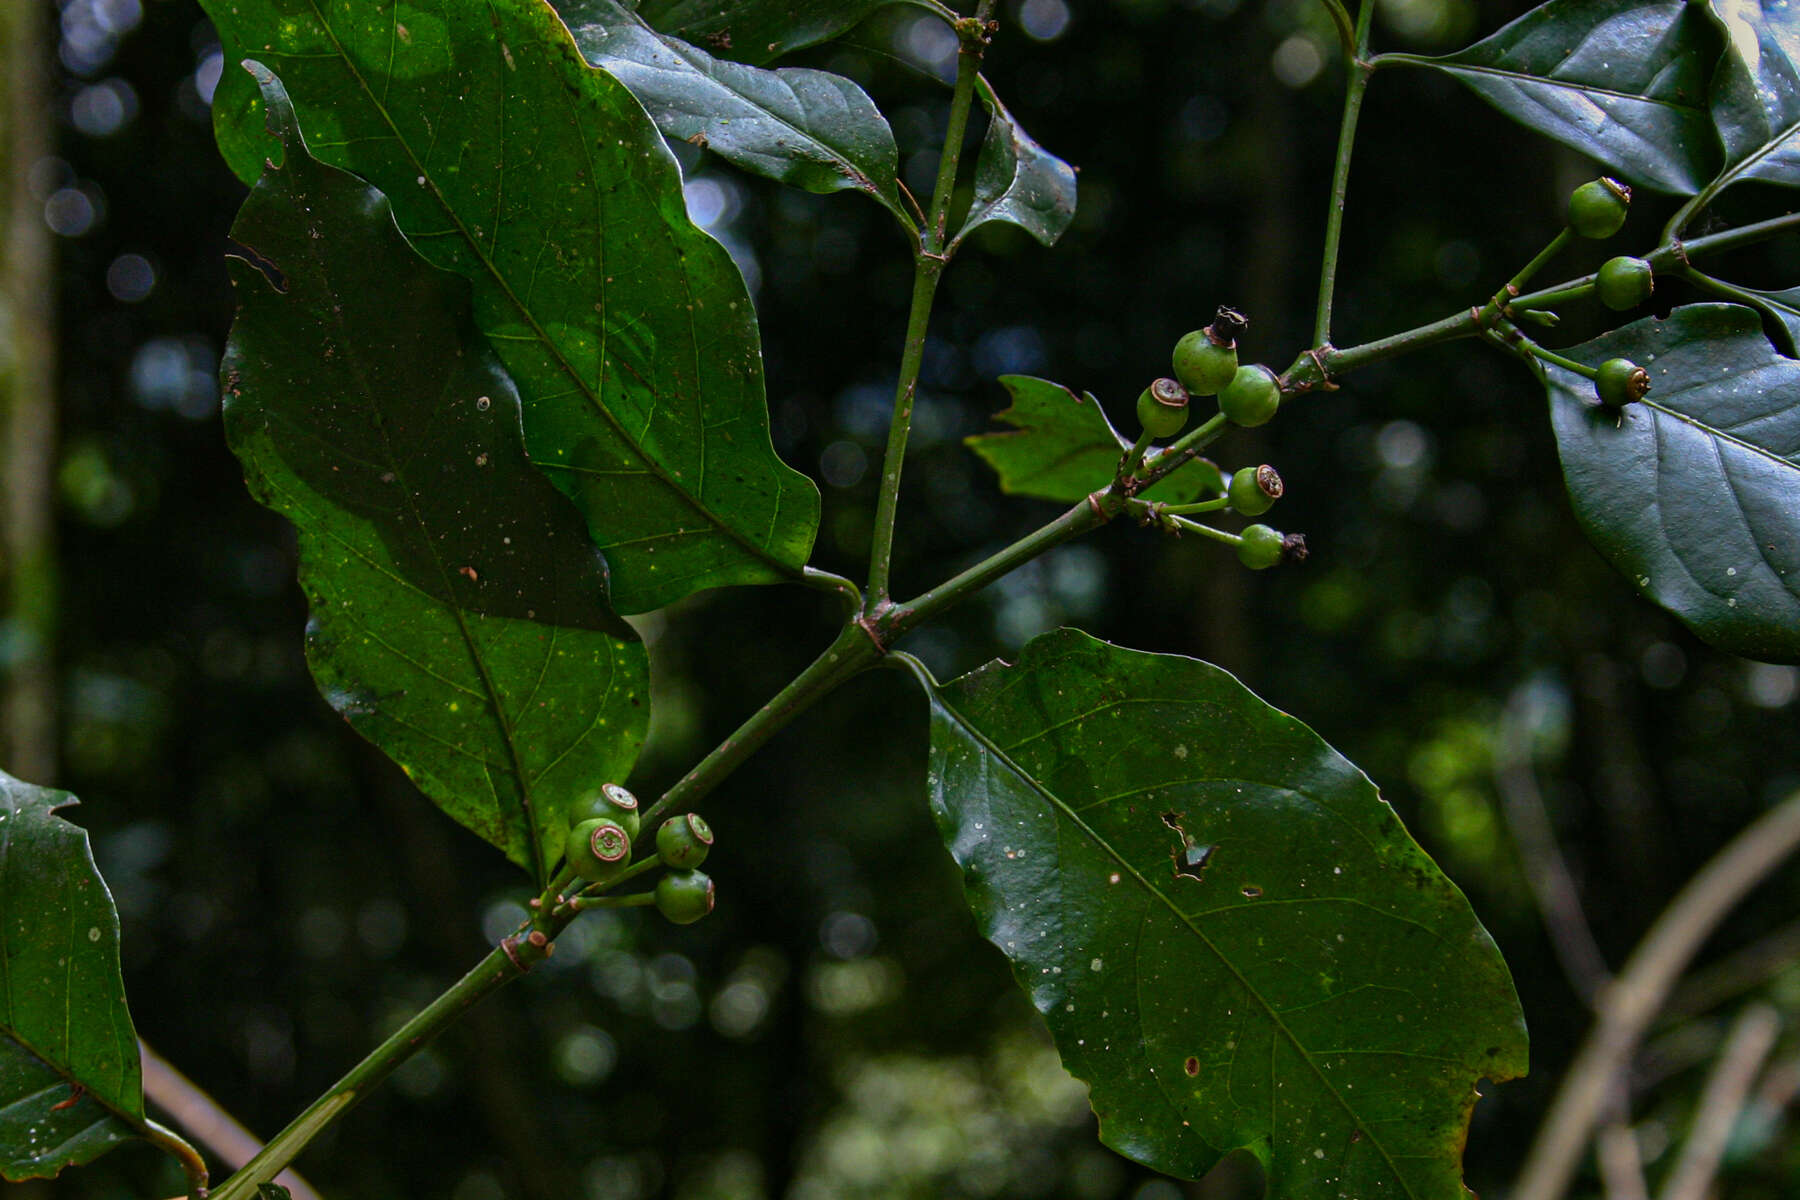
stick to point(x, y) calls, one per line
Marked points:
point(1446, 64)
point(656, 468)
point(859, 179)
point(1269, 1010)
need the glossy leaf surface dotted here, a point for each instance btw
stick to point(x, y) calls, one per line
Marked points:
point(628, 331)
point(810, 129)
point(756, 31)
point(70, 1082)
point(1694, 493)
point(1756, 91)
point(1018, 181)
point(459, 614)
point(1622, 81)
point(1232, 938)
point(1065, 449)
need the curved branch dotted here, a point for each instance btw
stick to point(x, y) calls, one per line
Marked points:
point(1633, 1001)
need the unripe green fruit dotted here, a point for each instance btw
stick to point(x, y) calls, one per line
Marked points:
point(1597, 208)
point(1162, 408)
point(1254, 490)
point(1621, 382)
point(1261, 547)
point(1203, 365)
point(612, 802)
point(1624, 282)
point(1252, 396)
point(684, 896)
point(683, 842)
point(598, 849)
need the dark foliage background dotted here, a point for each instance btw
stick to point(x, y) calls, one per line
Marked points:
point(837, 1029)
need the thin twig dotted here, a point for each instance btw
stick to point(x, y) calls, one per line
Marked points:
point(1633, 1001)
point(202, 1118)
point(1546, 870)
point(1735, 974)
point(1621, 1164)
point(1752, 1039)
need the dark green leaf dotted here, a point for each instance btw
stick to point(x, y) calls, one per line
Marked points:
point(1065, 448)
point(459, 611)
point(1622, 81)
point(806, 128)
point(1233, 939)
point(628, 331)
point(272, 1191)
point(756, 31)
point(1694, 493)
point(1018, 181)
point(70, 1088)
point(1756, 92)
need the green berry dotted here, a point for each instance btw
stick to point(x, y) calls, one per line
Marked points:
point(1261, 547)
point(1162, 408)
point(683, 841)
point(1624, 282)
point(598, 849)
point(1621, 382)
point(684, 896)
point(1252, 396)
point(1597, 208)
point(1254, 490)
point(1203, 365)
point(612, 802)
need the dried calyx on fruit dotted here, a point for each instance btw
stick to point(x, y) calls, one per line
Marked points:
point(1260, 547)
point(612, 802)
point(1620, 382)
point(598, 849)
point(1254, 490)
point(1206, 359)
point(1597, 208)
point(683, 842)
point(1162, 408)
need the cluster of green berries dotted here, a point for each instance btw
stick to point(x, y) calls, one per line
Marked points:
point(599, 845)
point(1205, 363)
point(1597, 210)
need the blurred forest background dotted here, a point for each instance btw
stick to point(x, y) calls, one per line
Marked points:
point(837, 1029)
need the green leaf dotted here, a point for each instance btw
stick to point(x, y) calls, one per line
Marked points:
point(459, 614)
point(70, 1083)
point(809, 129)
point(1234, 941)
point(1756, 92)
point(756, 31)
point(1694, 493)
point(1065, 449)
point(628, 331)
point(1622, 81)
point(1017, 181)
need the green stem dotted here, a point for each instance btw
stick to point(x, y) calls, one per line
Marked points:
point(1091, 513)
point(1217, 535)
point(582, 904)
point(852, 651)
point(1581, 289)
point(1729, 239)
point(1199, 506)
point(1179, 454)
point(1346, 32)
point(1491, 311)
point(1356, 84)
point(641, 867)
point(928, 267)
point(506, 962)
point(173, 1144)
point(1134, 458)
